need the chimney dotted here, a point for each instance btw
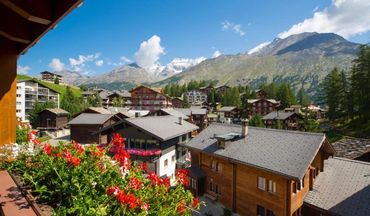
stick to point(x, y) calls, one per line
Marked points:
point(180, 120)
point(245, 123)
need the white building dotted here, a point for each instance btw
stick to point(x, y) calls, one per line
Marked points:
point(30, 91)
point(163, 135)
point(196, 97)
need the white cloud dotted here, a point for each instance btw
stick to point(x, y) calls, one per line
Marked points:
point(216, 54)
point(23, 69)
point(99, 63)
point(125, 59)
point(80, 63)
point(344, 17)
point(237, 28)
point(258, 48)
point(56, 64)
point(149, 53)
point(177, 65)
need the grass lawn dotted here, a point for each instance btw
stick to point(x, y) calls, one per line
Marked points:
point(60, 88)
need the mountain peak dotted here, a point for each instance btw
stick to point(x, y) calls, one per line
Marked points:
point(300, 42)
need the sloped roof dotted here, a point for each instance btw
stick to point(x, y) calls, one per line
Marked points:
point(269, 100)
point(227, 108)
point(100, 110)
point(162, 127)
point(192, 111)
point(288, 153)
point(278, 115)
point(57, 111)
point(90, 119)
point(351, 148)
point(173, 112)
point(343, 188)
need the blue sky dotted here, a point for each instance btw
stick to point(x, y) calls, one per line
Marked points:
point(100, 35)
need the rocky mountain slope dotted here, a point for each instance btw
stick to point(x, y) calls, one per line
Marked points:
point(305, 57)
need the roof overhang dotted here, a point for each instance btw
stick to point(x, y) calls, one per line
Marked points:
point(25, 22)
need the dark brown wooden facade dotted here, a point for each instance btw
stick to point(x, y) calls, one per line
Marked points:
point(235, 185)
point(23, 23)
point(52, 120)
point(177, 103)
point(262, 106)
point(90, 133)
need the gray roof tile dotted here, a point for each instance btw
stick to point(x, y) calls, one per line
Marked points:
point(343, 188)
point(288, 153)
point(90, 119)
point(162, 127)
point(280, 115)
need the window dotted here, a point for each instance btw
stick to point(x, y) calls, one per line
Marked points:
point(261, 183)
point(219, 167)
point(302, 184)
point(260, 211)
point(294, 187)
point(18, 95)
point(269, 212)
point(213, 164)
point(166, 162)
point(272, 186)
point(173, 158)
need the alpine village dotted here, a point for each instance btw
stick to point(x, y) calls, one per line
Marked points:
point(281, 130)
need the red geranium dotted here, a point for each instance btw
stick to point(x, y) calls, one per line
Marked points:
point(47, 149)
point(182, 176)
point(135, 183)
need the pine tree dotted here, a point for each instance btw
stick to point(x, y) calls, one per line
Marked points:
point(333, 92)
point(256, 121)
point(33, 115)
point(71, 102)
point(117, 101)
point(360, 79)
point(302, 98)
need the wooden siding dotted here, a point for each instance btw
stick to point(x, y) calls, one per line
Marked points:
point(54, 120)
point(8, 71)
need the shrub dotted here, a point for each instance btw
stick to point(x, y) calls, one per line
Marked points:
point(77, 180)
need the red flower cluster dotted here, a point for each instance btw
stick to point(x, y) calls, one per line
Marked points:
point(125, 199)
point(143, 166)
point(75, 161)
point(78, 147)
point(144, 153)
point(135, 183)
point(156, 180)
point(181, 208)
point(182, 176)
point(195, 202)
point(47, 149)
point(122, 156)
point(32, 137)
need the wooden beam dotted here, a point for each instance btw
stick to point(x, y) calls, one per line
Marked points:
point(14, 27)
point(20, 10)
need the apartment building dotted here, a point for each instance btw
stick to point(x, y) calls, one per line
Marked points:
point(196, 97)
point(256, 171)
point(156, 139)
point(30, 91)
point(51, 77)
point(145, 98)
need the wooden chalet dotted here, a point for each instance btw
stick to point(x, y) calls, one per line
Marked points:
point(86, 126)
point(288, 119)
point(262, 106)
point(53, 118)
point(229, 114)
point(177, 102)
point(145, 98)
point(260, 93)
point(51, 77)
point(256, 171)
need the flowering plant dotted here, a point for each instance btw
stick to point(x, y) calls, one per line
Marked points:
point(79, 180)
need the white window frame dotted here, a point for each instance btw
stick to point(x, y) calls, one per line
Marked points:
point(261, 183)
point(272, 186)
